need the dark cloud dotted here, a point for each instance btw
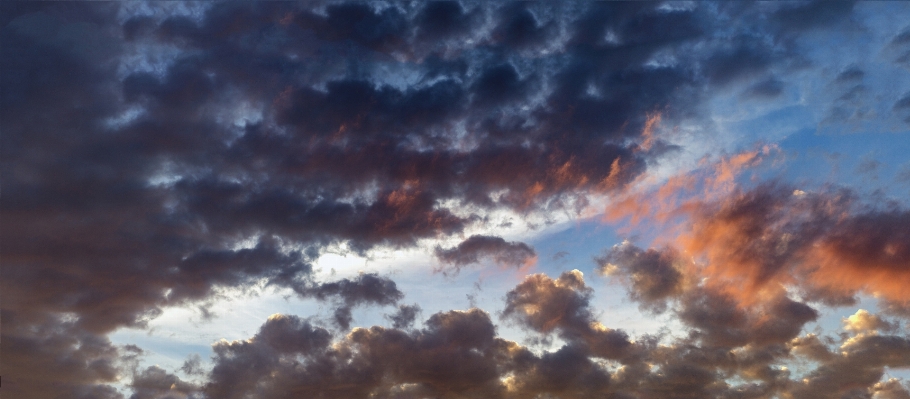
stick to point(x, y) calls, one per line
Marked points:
point(455, 354)
point(857, 369)
point(192, 365)
point(891, 389)
point(652, 276)
point(719, 320)
point(366, 289)
point(443, 19)
point(151, 160)
point(766, 89)
point(827, 242)
point(517, 26)
point(405, 316)
point(749, 57)
point(850, 74)
point(902, 107)
point(899, 48)
point(813, 14)
point(658, 280)
point(458, 353)
point(545, 305)
point(55, 349)
point(156, 383)
point(478, 247)
point(903, 103)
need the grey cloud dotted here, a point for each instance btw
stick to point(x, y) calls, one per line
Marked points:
point(902, 106)
point(850, 74)
point(366, 289)
point(891, 389)
point(517, 25)
point(453, 355)
point(269, 126)
point(54, 349)
point(813, 15)
point(651, 273)
point(156, 383)
point(857, 369)
point(405, 316)
point(478, 247)
point(766, 89)
point(192, 365)
point(717, 318)
point(458, 353)
point(748, 58)
point(545, 305)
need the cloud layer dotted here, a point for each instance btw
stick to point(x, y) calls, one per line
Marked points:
point(155, 155)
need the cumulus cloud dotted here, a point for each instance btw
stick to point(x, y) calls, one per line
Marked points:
point(153, 156)
point(366, 289)
point(752, 241)
point(477, 247)
point(405, 316)
point(545, 305)
point(651, 273)
point(156, 383)
point(459, 353)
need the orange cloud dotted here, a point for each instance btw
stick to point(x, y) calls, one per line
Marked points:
point(754, 242)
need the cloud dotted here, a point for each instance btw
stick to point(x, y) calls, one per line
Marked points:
point(751, 242)
point(453, 355)
point(46, 348)
point(405, 316)
point(651, 273)
point(857, 369)
point(459, 353)
point(151, 160)
point(156, 383)
point(366, 289)
point(192, 365)
point(544, 305)
point(477, 247)
point(766, 89)
point(863, 321)
point(812, 15)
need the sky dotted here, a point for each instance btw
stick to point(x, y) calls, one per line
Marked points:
point(233, 200)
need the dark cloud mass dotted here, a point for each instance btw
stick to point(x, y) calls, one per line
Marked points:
point(155, 155)
point(459, 354)
point(477, 247)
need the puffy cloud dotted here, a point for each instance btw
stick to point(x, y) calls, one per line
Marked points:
point(651, 274)
point(751, 242)
point(458, 353)
point(563, 306)
point(151, 160)
point(43, 348)
point(455, 354)
point(366, 289)
point(858, 368)
point(733, 261)
point(891, 389)
point(156, 383)
point(405, 316)
point(477, 247)
point(863, 321)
